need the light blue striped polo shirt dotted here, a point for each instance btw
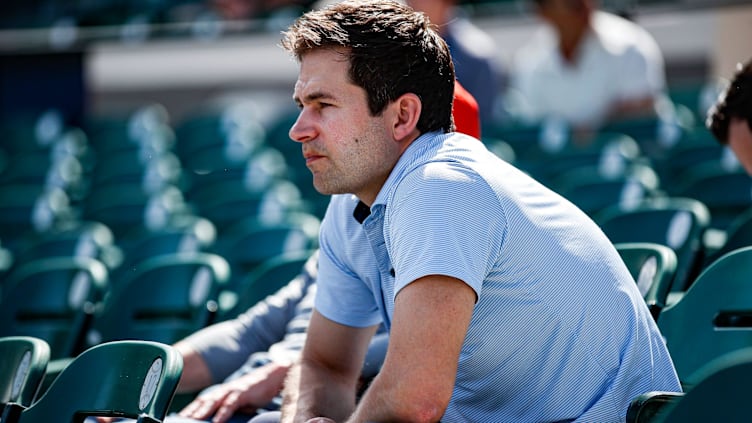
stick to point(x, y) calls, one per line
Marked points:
point(559, 332)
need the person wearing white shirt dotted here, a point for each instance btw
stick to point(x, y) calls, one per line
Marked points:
point(586, 67)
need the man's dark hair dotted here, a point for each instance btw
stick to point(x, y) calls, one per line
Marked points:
point(734, 102)
point(392, 50)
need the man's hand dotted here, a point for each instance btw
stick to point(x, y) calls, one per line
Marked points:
point(247, 392)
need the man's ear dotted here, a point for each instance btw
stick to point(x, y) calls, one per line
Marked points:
point(406, 115)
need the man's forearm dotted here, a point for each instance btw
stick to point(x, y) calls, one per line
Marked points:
point(311, 392)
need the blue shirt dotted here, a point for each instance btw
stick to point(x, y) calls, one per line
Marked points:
point(559, 332)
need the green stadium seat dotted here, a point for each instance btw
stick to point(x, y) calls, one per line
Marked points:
point(721, 395)
point(162, 299)
point(264, 280)
point(713, 317)
point(22, 368)
point(653, 267)
point(53, 299)
point(678, 223)
point(132, 379)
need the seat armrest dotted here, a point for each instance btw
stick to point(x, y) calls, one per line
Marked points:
point(650, 406)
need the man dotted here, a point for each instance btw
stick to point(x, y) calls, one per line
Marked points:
point(503, 301)
point(244, 361)
point(586, 67)
point(730, 119)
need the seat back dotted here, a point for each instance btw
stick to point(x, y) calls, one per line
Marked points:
point(53, 299)
point(721, 394)
point(678, 223)
point(134, 379)
point(251, 242)
point(726, 192)
point(24, 362)
point(738, 235)
point(164, 299)
point(270, 276)
point(713, 317)
point(84, 239)
point(653, 267)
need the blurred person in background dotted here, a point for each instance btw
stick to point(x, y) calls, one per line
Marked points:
point(249, 9)
point(730, 119)
point(586, 67)
point(477, 62)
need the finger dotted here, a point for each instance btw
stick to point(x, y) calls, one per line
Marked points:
point(199, 409)
point(227, 408)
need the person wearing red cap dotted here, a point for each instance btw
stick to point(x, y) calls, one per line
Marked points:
point(465, 112)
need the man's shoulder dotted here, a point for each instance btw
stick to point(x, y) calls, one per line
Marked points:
point(538, 51)
point(621, 36)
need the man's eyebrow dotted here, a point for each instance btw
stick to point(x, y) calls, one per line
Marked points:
point(314, 96)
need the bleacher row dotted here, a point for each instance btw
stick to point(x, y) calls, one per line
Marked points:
point(136, 227)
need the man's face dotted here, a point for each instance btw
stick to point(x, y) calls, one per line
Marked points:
point(346, 149)
point(740, 141)
point(566, 13)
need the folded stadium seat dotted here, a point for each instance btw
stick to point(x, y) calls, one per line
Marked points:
point(727, 192)
point(678, 223)
point(712, 317)
point(720, 395)
point(127, 209)
point(151, 170)
point(72, 239)
point(250, 242)
point(31, 208)
point(216, 139)
point(696, 95)
point(147, 124)
point(6, 263)
point(190, 234)
point(257, 173)
point(265, 279)
point(230, 202)
point(653, 267)
point(523, 137)
point(161, 299)
point(612, 154)
point(22, 368)
point(28, 167)
point(62, 166)
point(658, 133)
point(133, 379)
point(29, 132)
point(53, 299)
point(738, 234)
point(689, 152)
point(593, 189)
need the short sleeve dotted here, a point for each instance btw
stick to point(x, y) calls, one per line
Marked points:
point(445, 220)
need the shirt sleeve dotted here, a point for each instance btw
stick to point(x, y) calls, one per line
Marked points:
point(342, 294)
point(444, 221)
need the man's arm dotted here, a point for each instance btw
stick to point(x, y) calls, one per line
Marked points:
point(196, 374)
point(324, 382)
point(431, 318)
